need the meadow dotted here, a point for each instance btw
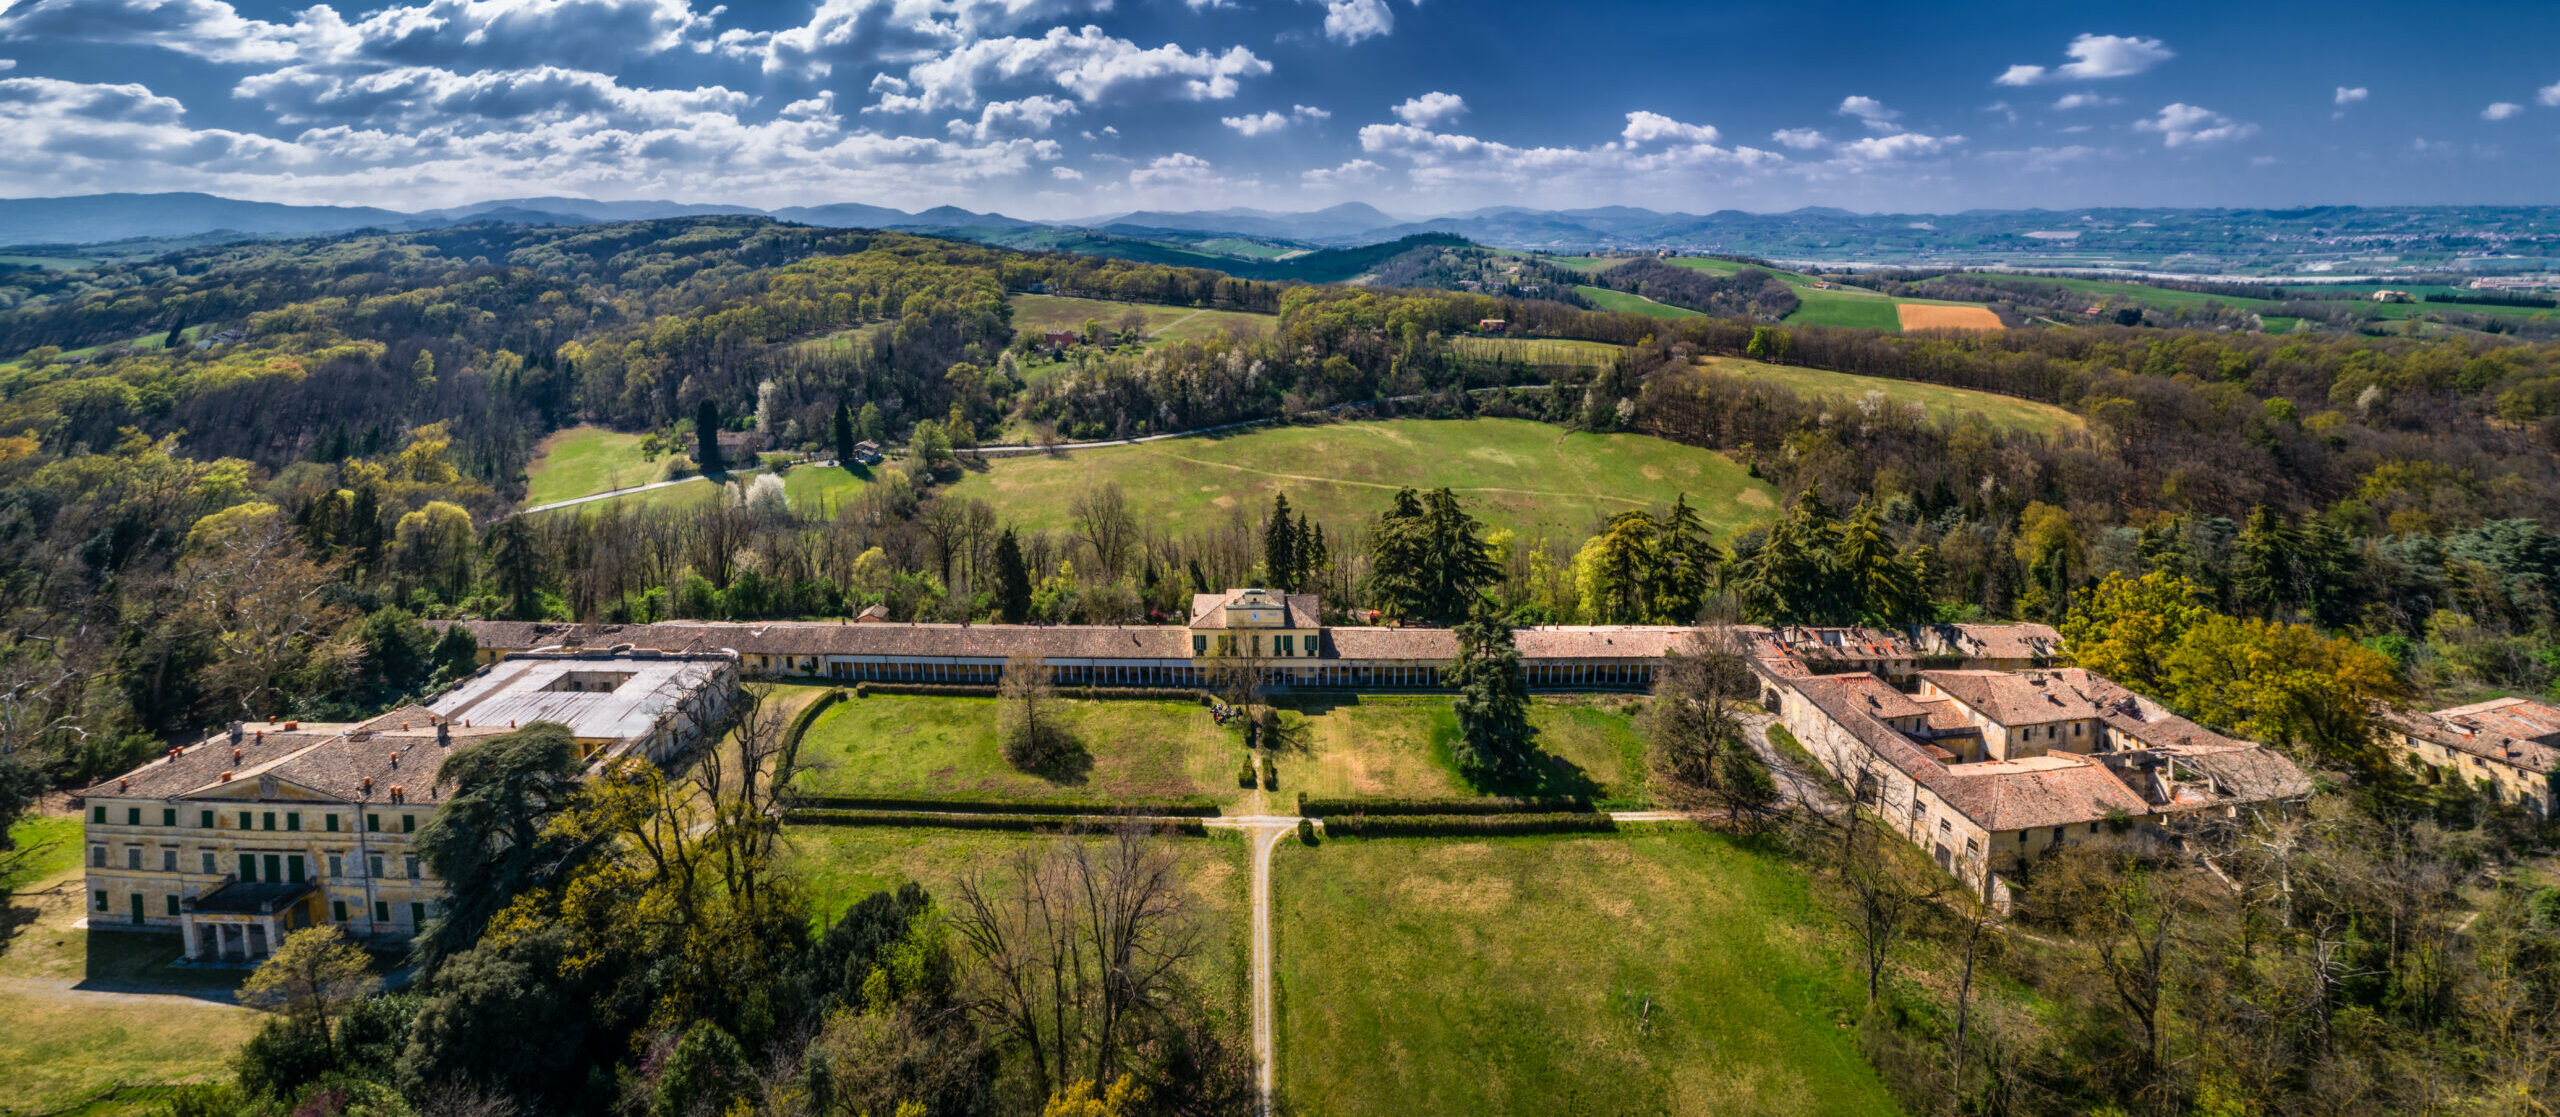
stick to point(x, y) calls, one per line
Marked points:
point(1537, 350)
point(1034, 315)
point(1943, 402)
point(580, 461)
point(1844, 307)
point(1529, 477)
point(1348, 745)
point(1625, 303)
point(1661, 972)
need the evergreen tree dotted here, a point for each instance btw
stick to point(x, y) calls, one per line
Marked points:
point(1884, 586)
point(1313, 555)
point(844, 435)
point(1683, 566)
point(2262, 563)
point(515, 563)
point(1792, 579)
point(1280, 545)
point(1429, 557)
point(706, 437)
point(177, 333)
point(1617, 571)
point(1495, 741)
point(1013, 580)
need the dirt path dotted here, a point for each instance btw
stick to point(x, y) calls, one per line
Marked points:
point(1265, 832)
point(1159, 331)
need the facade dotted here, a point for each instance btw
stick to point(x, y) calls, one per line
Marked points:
point(1987, 769)
point(242, 838)
point(2510, 747)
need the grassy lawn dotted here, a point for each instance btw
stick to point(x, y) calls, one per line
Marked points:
point(1363, 745)
point(1654, 973)
point(1537, 350)
point(1039, 314)
point(814, 489)
point(50, 845)
point(581, 461)
point(841, 865)
point(1513, 473)
point(1625, 303)
point(65, 1033)
point(1943, 402)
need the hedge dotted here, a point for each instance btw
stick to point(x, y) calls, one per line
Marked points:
point(967, 690)
point(1533, 804)
point(1027, 822)
point(1452, 825)
point(808, 716)
point(1198, 806)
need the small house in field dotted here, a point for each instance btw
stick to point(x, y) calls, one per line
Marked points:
point(1060, 339)
point(866, 452)
point(1493, 325)
point(2392, 297)
point(741, 444)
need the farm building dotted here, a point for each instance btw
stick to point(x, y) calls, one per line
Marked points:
point(242, 838)
point(2510, 747)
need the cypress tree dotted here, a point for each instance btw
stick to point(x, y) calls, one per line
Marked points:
point(1013, 580)
point(2262, 562)
point(1312, 553)
point(844, 435)
point(706, 437)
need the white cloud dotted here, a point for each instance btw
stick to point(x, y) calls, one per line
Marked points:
point(1431, 108)
point(1801, 139)
point(2548, 96)
point(2093, 57)
point(7, 64)
point(466, 103)
point(1896, 148)
point(2182, 124)
point(2346, 96)
point(1256, 125)
point(1066, 174)
point(1349, 21)
point(1647, 127)
point(865, 33)
point(1093, 66)
point(1357, 172)
point(2501, 110)
point(1029, 116)
point(1199, 5)
point(1177, 169)
point(1870, 112)
point(1444, 162)
point(1309, 112)
point(2045, 158)
point(208, 29)
point(2070, 101)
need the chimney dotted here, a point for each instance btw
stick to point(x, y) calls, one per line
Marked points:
point(124, 784)
point(444, 733)
point(226, 777)
point(235, 733)
point(395, 762)
point(368, 782)
point(235, 756)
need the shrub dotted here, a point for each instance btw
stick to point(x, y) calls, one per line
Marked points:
point(1244, 775)
point(862, 690)
point(1191, 827)
point(1270, 775)
point(1446, 825)
point(1535, 804)
point(1191, 805)
point(1306, 831)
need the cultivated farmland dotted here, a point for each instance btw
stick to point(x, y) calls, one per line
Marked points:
point(1942, 402)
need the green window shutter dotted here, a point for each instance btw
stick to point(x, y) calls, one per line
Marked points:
point(338, 911)
point(204, 819)
point(329, 822)
point(248, 866)
point(293, 821)
point(293, 868)
point(417, 915)
point(382, 911)
point(173, 903)
point(247, 821)
point(270, 821)
point(168, 816)
point(373, 822)
point(98, 815)
point(275, 868)
point(408, 823)
point(133, 816)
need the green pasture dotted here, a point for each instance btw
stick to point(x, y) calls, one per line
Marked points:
point(1943, 402)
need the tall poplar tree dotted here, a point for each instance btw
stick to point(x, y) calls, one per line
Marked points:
point(706, 437)
point(1280, 545)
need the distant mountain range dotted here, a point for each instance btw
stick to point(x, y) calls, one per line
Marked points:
point(2312, 240)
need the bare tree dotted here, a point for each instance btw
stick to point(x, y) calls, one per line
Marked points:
point(1885, 898)
point(1032, 736)
point(1079, 942)
point(743, 780)
point(1105, 523)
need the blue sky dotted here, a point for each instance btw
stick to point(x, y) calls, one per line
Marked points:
point(1060, 108)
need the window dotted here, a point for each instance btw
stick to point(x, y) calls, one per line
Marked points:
point(137, 907)
point(133, 816)
point(1287, 645)
point(293, 821)
point(275, 867)
point(373, 822)
point(329, 822)
point(204, 820)
point(382, 911)
point(408, 823)
point(168, 816)
point(209, 869)
point(98, 815)
point(249, 867)
point(270, 821)
point(338, 911)
point(337, 868)
point(168, 860)
point(412, 867)
point(1199, 645)
point(373, 865)
point(133, 857)
point(1972, 847)
point(1943, 827)
point(97, 857)
point(2057, 834)
point(417, 914)
point(101, 894)
point(173, 903)
point(246, 819)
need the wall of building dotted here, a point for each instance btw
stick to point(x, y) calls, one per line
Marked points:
point(172, 845)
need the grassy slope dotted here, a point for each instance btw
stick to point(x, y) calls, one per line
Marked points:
point(1850, 307)
point(584, 460)
point(810, 488)
point(60, 1044)
point(1039, 314)
point(908, 745)
point(1538, 351)
point(1625, 303)
point(1660, 973)
point(2005, 411)
point(1511, 472)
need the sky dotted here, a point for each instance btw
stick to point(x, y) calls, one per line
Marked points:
point(1070, 108)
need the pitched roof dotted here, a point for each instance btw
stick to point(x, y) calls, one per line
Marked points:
point(2517, 732)
point(1208, 610)
point(2012, 699)
point(398, 748)
point(1991, 641)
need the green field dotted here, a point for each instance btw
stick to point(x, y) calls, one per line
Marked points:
point(1942, 402)
point(1513, 473)
point(581, 461)
point(49, 846)
point(1038, 314)
point(65, 1034)
point(1651, 973)
point(1537, 350)
point(896, 745)
point(1832, 308)
point(811, 489)
point(1625, 303)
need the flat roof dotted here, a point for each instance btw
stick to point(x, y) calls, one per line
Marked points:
point(609, 697)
